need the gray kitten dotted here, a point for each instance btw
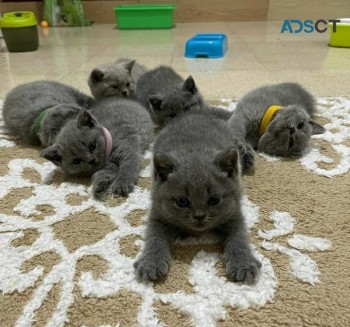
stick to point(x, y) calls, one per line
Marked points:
point(106, 141)
point(288, 131)
point(115, 79)
point(36, 111)
point(166, 95)
point(196, 189)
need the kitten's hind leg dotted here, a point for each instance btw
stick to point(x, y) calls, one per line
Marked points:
point(247, 155)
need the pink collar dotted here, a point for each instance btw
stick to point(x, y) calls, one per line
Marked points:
point(109, 142)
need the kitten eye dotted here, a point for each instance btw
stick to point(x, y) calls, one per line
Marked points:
point(193, 104)
point(77, 161)
point(214, 200)
point(182, 202)
point(92, 146)
point(172, 115)
point(300, 125)
point(115, 87)
point(127, 84)
point(291, 142)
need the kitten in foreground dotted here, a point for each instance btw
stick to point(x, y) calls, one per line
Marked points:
point(196, 189)
point(36, 111)
point(115, 79)
point(106, 141)
point(276, 119)
point(166, 95)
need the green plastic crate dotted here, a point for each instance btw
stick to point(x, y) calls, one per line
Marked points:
point(144, 16)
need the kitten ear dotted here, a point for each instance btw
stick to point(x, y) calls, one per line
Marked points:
point(86, 119)
point(163, 165)
point(190, 85)
point(51, 153)
point(228, 161)
point(97, 75)
point(316, 128)
point(155, 101)
point(129, 65)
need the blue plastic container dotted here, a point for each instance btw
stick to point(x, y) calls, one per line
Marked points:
point(208, 45)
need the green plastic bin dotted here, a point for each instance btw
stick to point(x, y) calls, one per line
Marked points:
point(20, 31)
point(144, 16)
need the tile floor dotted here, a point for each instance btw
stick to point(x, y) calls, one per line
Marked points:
point(258, 54)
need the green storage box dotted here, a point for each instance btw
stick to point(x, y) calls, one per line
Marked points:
point(340, 38)
point(20, 31)
point(144, 16)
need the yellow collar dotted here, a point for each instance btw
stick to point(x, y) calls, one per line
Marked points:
point(267, 118)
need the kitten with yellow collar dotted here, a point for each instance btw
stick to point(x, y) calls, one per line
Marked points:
point(276, 119)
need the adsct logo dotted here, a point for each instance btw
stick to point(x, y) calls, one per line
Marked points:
point(308, 25)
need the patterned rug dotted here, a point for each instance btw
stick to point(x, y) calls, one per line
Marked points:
point(67, 260)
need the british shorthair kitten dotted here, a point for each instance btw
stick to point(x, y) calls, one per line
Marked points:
point(115, 79)
point(276, 119)
point(106, 142)
point(36, 111)
point(196, 189)
point(167, 96)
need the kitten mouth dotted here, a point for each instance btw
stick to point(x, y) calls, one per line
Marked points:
point(291, 142)
point(199, 227)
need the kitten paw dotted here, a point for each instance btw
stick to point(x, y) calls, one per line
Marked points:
point(149, 268)
point(248, 156)
point(100, 185)
point(245, 271)
point(121, 188)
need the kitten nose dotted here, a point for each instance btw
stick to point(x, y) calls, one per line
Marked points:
point(292, 130)
point(92, 162)
point(125, 92)
point(199, 216)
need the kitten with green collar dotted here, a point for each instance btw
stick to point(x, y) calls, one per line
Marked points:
point(106, 142)
point(196, 189)
point(115, 79)
point(275, 119)
point(36, 111)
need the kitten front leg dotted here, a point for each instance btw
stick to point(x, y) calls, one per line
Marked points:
point(129, 162)
point(154, 261)
point(102, 180)
point(240, 263)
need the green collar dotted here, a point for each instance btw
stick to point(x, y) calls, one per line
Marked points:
point(38, 121)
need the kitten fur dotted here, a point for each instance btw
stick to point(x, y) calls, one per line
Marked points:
point(80, 147)
point(166, 95)
point(115, 79)
point(196, 189)
point(23, 105)
point(289, 130)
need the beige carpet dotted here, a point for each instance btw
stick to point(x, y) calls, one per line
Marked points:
point(66, 259)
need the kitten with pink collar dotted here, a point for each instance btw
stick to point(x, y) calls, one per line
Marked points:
point(106, 142)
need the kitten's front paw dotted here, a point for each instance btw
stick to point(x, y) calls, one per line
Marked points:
point(243, 270)
point(149, 268)
point(100, 185)
point(122, 188)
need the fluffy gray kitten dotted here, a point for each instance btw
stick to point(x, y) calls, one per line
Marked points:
point(24, 106)
point(289, 130)
point(167, 95)
point(196, 189)
point(106, 141)
point(115, 79)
